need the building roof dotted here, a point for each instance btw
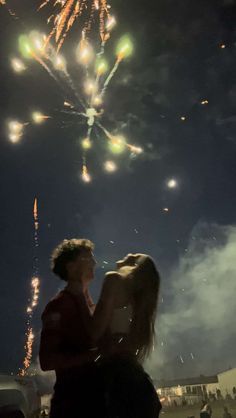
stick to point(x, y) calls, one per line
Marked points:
point(199, 380)
point(230, 369)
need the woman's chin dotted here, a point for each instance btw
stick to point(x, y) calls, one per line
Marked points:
point(120, 264)
point(113, 274)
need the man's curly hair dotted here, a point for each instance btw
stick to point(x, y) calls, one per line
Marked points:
point(68, 250)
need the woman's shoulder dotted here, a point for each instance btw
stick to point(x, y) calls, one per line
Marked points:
point(113, 284)
point(112, 278)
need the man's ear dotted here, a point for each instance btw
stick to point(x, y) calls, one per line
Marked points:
point(69, 266)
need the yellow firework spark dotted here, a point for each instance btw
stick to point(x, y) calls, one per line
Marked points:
point(38, 117)
point(85, 174)
point(29, 351)
point(17, 65)
point(33, 302)
point(110, 166)
point(67, 12)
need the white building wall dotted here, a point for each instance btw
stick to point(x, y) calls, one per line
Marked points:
point(212, 387)
point(227, 380)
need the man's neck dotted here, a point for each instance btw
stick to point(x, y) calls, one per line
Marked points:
point(76, 287)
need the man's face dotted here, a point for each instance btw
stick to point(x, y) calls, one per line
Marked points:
point(82, 268)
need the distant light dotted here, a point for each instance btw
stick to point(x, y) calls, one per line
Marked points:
point(97, 101)
point(101, 67)
point(37, 40)
point(222, 46)
point(117, 144)
point(124, 48)
point(134, 149)
point(111, 22)
point(204, 102)
point(15, 126)
point(90, 87)
point(18, 65)
point(183, 118)
point(86, 143)
point(86, 178)
point(68, 104)
point(172, 184)
point(25, 46)
point(59, 63)
point(110, 166)
point(14, 138)
point(85, 175)
point(15, 131)
point(38, 117)
point(84, 52)
point(165, 209)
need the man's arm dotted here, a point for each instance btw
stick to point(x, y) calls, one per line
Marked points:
point(50, 355)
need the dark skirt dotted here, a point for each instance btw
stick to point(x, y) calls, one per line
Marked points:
point(128, 389)
point(117, 387)
point(77, 394)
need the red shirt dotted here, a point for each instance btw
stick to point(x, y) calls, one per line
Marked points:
point(63, 320)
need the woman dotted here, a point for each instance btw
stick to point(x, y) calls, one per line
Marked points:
point(126, 314)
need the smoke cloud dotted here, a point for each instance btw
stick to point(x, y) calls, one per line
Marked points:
point(196, 331)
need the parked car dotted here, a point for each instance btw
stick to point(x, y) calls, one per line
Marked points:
point(19, 397)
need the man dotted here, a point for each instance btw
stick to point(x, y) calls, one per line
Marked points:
point(206, 410)
point(66, 345)
point(226, 413)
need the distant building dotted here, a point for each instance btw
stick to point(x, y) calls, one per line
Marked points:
point(193, 390)
point(227, 382)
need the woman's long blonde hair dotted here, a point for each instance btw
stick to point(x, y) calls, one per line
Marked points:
point(144, 286)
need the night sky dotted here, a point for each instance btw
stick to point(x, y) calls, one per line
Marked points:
point(178, 62)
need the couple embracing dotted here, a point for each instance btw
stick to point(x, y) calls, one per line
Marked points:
point(97, 351)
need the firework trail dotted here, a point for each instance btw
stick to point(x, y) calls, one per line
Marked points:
point(33, 301)
point(111, 75)
point(69, 11)
point(10, 11)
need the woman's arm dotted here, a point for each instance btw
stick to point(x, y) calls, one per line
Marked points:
point(97, 324)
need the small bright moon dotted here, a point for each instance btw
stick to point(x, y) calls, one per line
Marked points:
point(172, 184)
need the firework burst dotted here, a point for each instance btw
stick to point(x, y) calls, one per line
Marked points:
point(84, 103)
